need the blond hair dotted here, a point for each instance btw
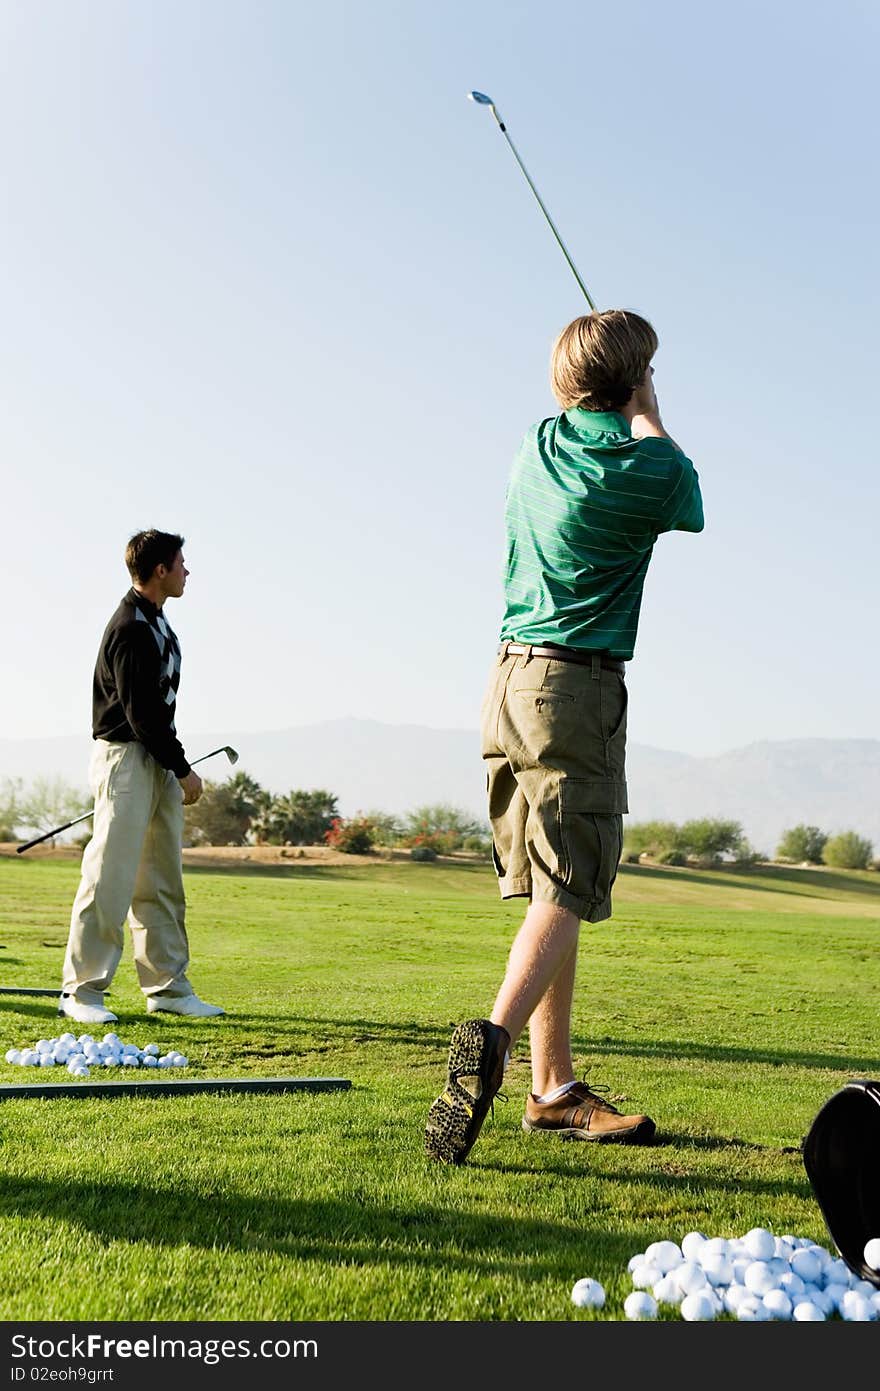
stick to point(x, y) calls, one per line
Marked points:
point(599, 359)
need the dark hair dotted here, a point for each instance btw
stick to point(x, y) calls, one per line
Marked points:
point(600, 359)
point(147, 549)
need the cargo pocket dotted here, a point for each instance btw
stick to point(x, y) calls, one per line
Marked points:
point(614, 701)
point(591, 832)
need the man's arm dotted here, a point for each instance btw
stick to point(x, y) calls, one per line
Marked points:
point(683, 508)
point(643, 412)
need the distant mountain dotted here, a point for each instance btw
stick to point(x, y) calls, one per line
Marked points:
point(768, 786)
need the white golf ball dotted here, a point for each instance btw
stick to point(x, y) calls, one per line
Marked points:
point(179, 1060)
point(150, 1060)
point(690, 1277)
point(837, 1273)
point(857, 1308)
point(698, 1308)
point(588, 1294)
point(644, 1276)
point(111, 1060)
point(807, 1312)
point(713, 1249)
point(734, 1296)
point(807, 1265)
point(758, 1279)
point(46, 1060)
point(44, 1045)
point(752, 1309)
point(862, 1287)
point(130, 1048)
point(637, 1259)
point(778, 1304)
point(792, 1285)
point(152, 1048)
point(692, 1244)
point(759, 1244)
point(814, 1294)
point(740, 1266)
point(640, 1305)
point(165, 1062)
point(130, 1060)
point(14, 1056)
point(30, 1058)
point(665, 1255)
point(667, 1290)
point(718, 1269)
point(871, 1252)
point(67, 1038)
point(85, 1038)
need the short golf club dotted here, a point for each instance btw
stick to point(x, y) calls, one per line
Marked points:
point(482, 100)
point(231, 754)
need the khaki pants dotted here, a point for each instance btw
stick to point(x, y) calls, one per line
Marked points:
point(132, 867)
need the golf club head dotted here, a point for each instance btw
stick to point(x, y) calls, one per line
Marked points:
point(480, 98)
point(231, 754)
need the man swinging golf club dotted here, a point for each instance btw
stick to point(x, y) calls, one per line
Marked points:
point(590, 492)
point(141, 782)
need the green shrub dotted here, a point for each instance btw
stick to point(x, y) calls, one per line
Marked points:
point(848, 851)
point(650, 838)
point(672, 857)
point(802, 844)
point(422, 852)
point(478, 845)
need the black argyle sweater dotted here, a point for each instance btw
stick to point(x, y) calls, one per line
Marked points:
point(136, 679)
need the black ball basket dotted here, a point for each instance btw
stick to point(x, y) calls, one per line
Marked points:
point(842, 1158)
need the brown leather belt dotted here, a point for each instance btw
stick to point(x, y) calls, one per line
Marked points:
point(563, 654)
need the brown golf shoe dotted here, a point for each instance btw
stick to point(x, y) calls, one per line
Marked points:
point(580, 1114)
point(473, 1076)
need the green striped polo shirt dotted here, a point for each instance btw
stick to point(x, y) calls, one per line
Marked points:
point(585, 504)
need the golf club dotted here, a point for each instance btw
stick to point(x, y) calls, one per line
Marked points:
point(231, 754)
point(482, 100)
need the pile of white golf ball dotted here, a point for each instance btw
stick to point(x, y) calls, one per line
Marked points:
point(80, 1055)
point(755, 1278)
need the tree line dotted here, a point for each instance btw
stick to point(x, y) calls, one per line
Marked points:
point(710, 841)
point(241, 812)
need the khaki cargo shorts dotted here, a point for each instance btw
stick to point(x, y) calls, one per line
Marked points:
point(554, 743)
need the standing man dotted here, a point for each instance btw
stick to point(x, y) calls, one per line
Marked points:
point(591, 490)
point(141, 781)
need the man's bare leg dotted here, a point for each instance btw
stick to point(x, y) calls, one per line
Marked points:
point(550, 1032)
point(540, 981)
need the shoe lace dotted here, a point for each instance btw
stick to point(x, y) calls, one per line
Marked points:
point(499, 1096)
point(593, 1090)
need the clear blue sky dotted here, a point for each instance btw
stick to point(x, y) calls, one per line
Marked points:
point(270, 280)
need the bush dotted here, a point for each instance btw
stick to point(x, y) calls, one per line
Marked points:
point(652, 838)
point(441, 826)
point(422, 852)
point(707, 839)
point(386, 827)
point(354, 836)
point(802, 844)
point(478, 845)
point(671, 857)
point(848, 851)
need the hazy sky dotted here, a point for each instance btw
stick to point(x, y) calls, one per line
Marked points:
point(270, 280)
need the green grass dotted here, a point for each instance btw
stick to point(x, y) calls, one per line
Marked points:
point(729, 1005)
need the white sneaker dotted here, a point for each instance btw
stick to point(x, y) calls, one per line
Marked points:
point(182, 1004)
point(72, 1008)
